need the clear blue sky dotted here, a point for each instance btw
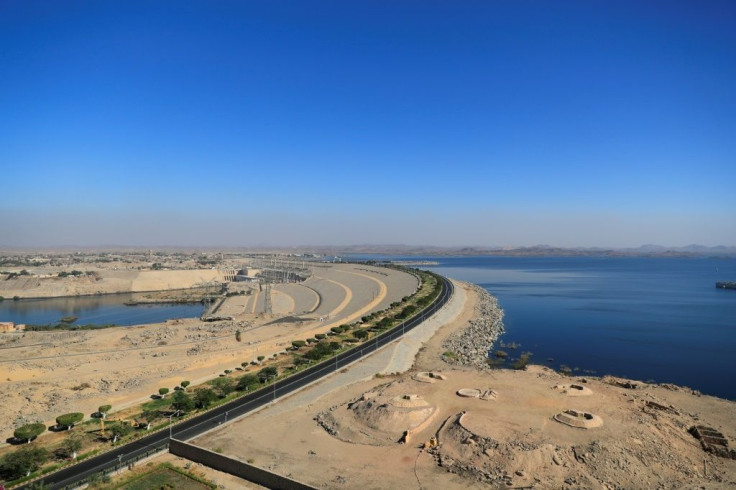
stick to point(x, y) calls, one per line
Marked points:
point(438, 123)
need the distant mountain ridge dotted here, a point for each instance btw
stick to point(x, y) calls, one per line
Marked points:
point(536, 251)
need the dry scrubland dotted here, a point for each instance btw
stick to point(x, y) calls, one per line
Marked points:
point(45, 374)
point(344, 432)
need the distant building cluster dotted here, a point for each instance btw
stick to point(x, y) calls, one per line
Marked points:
point(11, 327)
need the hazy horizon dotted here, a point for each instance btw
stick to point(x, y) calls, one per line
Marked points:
point(233, 124)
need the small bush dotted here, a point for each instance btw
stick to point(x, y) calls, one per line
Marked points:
point(522, 361)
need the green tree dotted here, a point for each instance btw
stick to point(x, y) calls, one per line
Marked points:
point(298, 343)
point(204, 397)
point(71, 445)
point(319, 351)
point(69, 419)
point(261, 358)
point(360, 334)
point(184, 384)
point(29, 432)
point(149, 416)
point(223, 386)
point(181, 402)
point(247, 382)
point(267, 373)
point(238, 335)
point(22, 462)
point(162, 392)
point(120, 430)
point(103, 409)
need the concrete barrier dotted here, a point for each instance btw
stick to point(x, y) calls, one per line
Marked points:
point(234, 467)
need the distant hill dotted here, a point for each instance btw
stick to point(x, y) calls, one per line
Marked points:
point(535, 251)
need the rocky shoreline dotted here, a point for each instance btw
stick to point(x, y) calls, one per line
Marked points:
point(470, 346)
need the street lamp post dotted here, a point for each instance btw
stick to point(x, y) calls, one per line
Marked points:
point(170, 427)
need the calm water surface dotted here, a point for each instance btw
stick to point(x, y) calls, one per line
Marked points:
point(98, 310)
point(659, 319)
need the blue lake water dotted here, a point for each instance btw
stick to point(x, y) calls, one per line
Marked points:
point(653, 319)
point(98, 310)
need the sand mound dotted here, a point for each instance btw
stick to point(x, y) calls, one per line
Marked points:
point(378, 418)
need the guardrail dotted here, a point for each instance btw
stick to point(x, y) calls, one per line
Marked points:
point(111, 461)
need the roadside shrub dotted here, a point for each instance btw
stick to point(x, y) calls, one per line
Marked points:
point(360, 334)
point(22, 462)
point(69, 419)
point(223, 386)
point(386, 322)
point(203, 397)
point(267, 373)
point(247, 382)
point(181, 401)
point(29, 432)
point(320, 336)
point(319, 351)
point(298, 343)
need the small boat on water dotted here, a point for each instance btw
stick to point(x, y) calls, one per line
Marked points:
point(726, 285)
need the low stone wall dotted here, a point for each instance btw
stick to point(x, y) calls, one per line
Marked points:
point(234, 467)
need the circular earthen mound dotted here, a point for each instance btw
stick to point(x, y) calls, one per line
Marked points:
point(574, 390)
point(579, 419)
point(381, 417)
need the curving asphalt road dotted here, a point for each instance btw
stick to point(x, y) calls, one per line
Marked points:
point(134, 451)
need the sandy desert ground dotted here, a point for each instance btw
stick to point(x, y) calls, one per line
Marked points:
point(107, 282)
point(344, 431)
point(44, 374)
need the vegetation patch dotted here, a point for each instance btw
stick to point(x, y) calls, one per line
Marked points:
point(164, 476)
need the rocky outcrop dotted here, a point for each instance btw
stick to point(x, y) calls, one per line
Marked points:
point(470, 346)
